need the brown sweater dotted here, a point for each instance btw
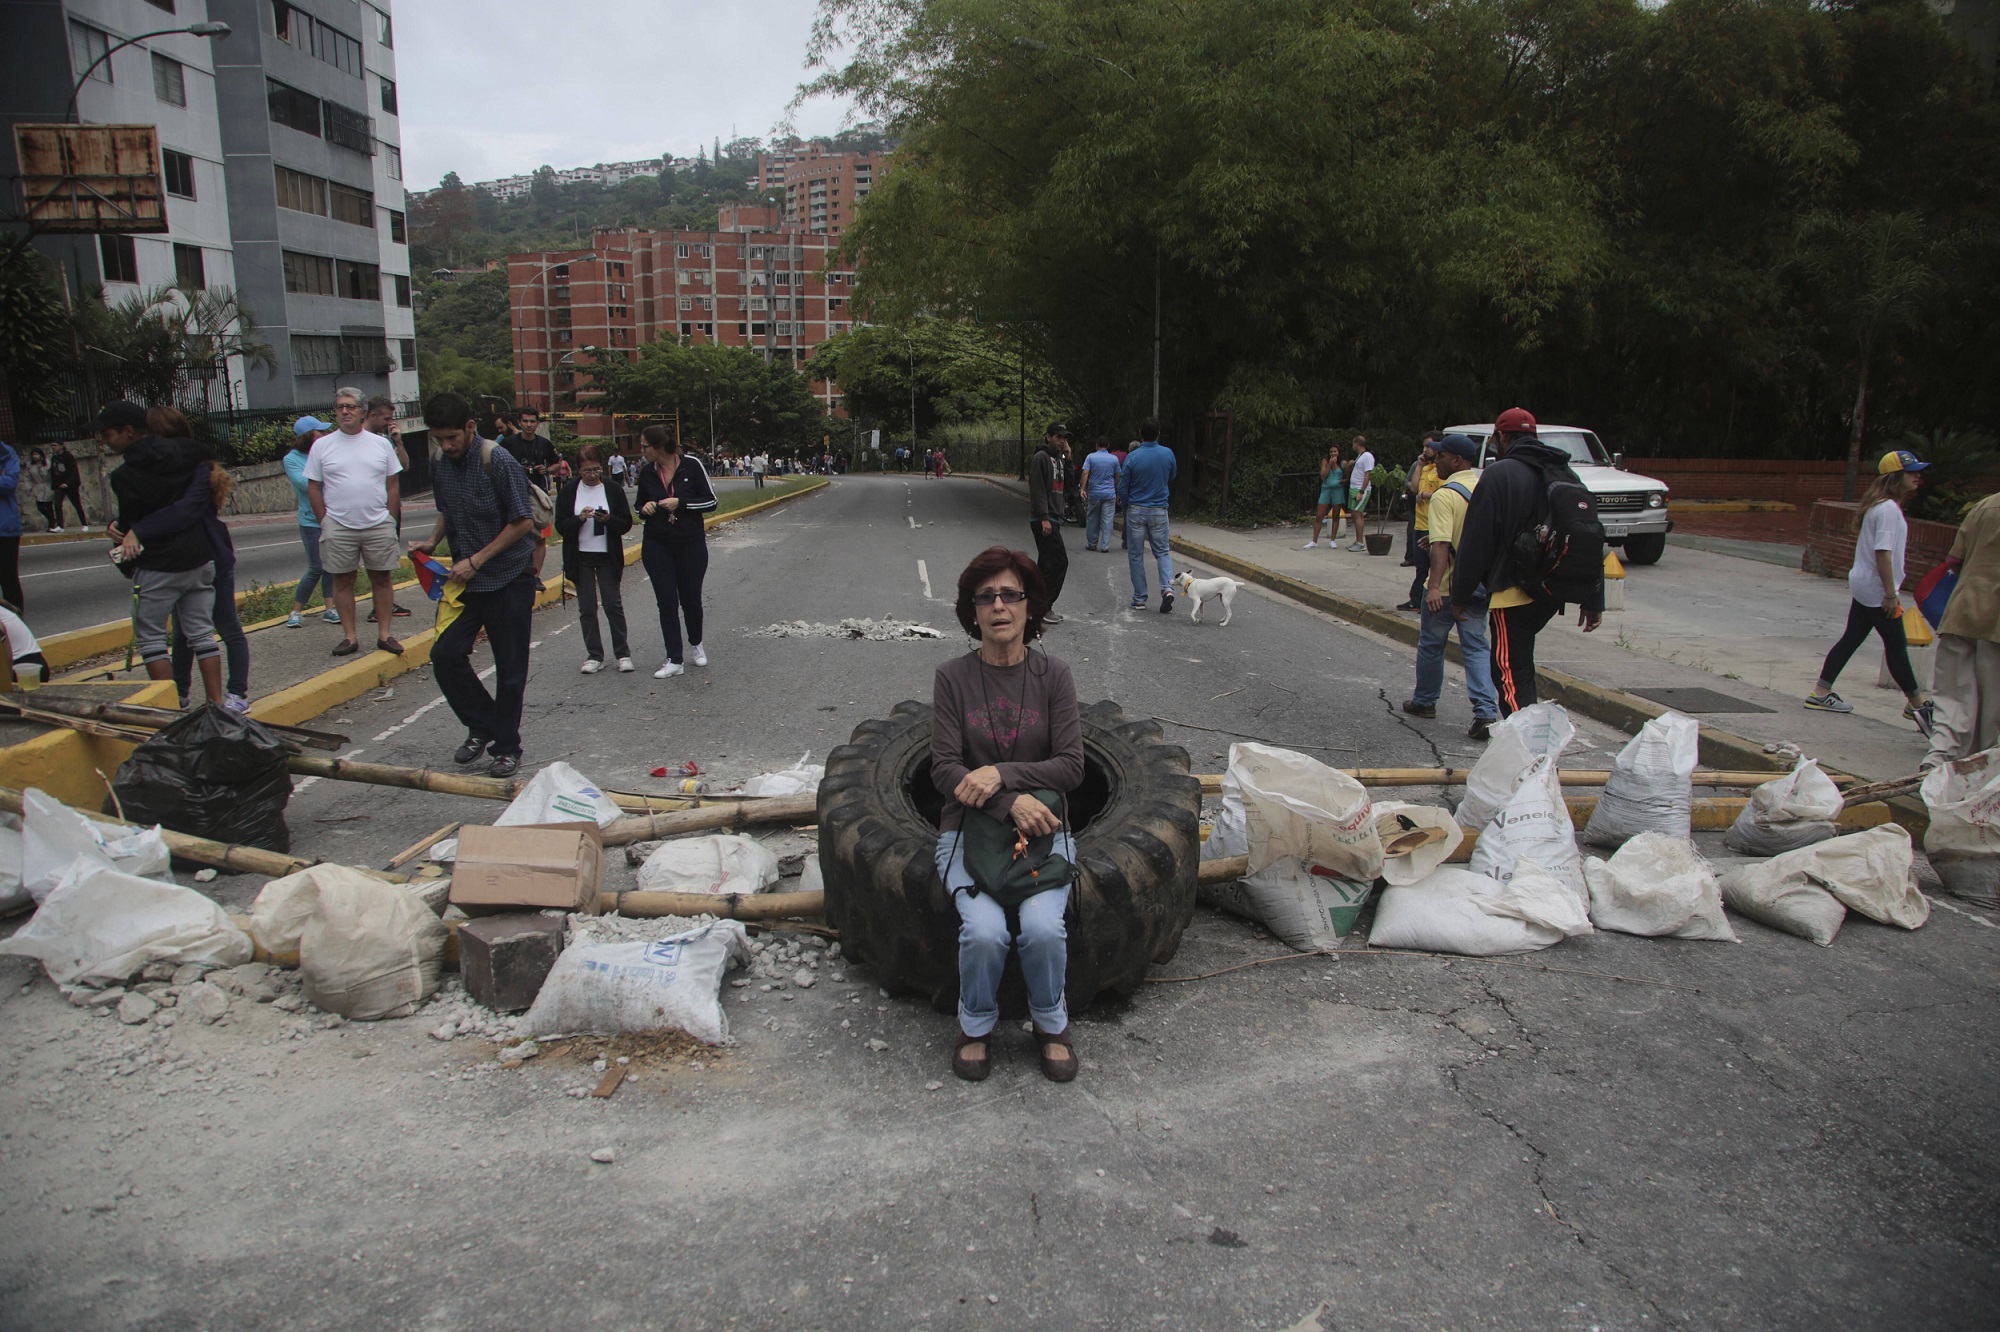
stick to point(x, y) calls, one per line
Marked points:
point(1021, 719)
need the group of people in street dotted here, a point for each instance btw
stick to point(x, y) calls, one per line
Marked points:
point(1140, 483)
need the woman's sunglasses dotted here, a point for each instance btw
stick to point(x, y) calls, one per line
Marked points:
point(1013, 596)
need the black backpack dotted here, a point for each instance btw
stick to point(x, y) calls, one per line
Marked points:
point(1561, 558)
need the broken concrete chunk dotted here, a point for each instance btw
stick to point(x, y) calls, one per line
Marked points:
point(604, 1156)
point(804, 978)
point(136, 1008)
point(504, 959)
point(205, 1002)
point(103, 998)
point(188, 973)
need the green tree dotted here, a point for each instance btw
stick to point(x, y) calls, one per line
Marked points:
point(466, 314)
point(963, 375)
point(160, 339)
point(35, 329)
point(448, 371)
point(749, 400)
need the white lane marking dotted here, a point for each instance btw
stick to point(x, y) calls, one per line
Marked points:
point(913, 523)
point(924, 573)
point(486, 674)
point(1960, 911)
point(106, 564)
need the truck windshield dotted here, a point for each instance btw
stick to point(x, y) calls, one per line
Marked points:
point(1581, 445)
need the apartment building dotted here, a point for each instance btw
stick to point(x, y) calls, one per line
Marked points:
point(280, 156)
point(821, 188)
point(753, 282)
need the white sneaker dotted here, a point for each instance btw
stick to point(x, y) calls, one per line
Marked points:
point(697, 657)
point(1310, 545)
point(55, 531)
point(592, 666)
point(236, 703)
point(625, 666)
point(669, 671)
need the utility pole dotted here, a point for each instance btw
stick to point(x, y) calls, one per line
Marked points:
point(1156, 330)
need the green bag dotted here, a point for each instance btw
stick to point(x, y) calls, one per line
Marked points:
point(996, 869)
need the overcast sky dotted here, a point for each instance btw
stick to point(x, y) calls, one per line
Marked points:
point(491, 88)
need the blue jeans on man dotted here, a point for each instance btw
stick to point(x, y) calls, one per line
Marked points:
point(1436, 627)
point(1146, 530)
point(1097, 522)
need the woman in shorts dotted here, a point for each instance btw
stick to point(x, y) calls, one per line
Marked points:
point(1332, 496)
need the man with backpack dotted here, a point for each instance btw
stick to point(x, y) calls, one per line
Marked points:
point(1532, 540)
point(1457, 477)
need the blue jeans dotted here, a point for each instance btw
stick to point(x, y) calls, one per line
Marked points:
point(1097, 523)
point(1146, 529)
point(983, 942)
point(1437, 626)
point(309, 538)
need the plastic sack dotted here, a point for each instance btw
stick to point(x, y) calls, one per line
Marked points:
point(215, 774)
point(1309, 907)
point(13, 896)
point(1416, 839)
point(1657, 886)
point(811, 878)
point(1534, 824)
point(1651, 787)
point(1872, 872)
point(100, 926)
point(602, 989)
point(556, 794)
point(1963, 841)
point(281, 909)
point(370, 949)
point(1796, 810)
point(719, 863)
point(1790, 902)
point(1297, 808)
point(802, 778)
point(1228, 833)
point(1457, 911)
point(1540, 730)
point(55, 838)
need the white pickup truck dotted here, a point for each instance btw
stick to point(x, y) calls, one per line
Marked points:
point(1633, 508)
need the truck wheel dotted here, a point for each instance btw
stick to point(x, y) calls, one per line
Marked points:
point(1137, 824)
point(1645, 549)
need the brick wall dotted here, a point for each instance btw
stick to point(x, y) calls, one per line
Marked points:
point(1830, 543)
point(1799, 483)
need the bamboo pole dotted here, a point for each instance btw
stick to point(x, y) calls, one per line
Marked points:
point(152, 719)
point(1211, 782)
point(729, 906)
point(747, 814)
point(408, 854)
point(415, 779)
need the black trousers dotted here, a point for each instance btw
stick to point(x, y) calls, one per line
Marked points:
point(74, 495)
point(1513, 643)
point(597, 577)
point(677, 569)
point(1417, 554)
point(1052, 556)
point(507, 616)
point(10, 572)
point(1862, 621)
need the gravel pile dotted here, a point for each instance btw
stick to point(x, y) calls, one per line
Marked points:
point(875, 631)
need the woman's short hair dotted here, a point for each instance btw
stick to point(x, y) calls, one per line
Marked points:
point(659, 437)
point(168, 422)
point(990, 563)
point(589, 453)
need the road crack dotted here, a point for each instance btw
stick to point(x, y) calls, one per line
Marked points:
point(1403, 719)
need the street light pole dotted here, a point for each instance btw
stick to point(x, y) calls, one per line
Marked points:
point(192, 30)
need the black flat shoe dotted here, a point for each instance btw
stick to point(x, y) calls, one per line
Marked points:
point(972, 1070)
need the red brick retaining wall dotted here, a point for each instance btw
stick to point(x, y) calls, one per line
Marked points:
point(1830, 543)
point(1797, 483)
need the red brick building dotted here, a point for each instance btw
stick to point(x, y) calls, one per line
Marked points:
point(750, 283)
point(821, 188)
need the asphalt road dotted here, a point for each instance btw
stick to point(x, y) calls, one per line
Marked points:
point(1616, 1133)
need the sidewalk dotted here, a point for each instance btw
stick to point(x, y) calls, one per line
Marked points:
point(1748, 630)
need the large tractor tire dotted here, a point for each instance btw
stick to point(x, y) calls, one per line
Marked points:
point(1137, 821)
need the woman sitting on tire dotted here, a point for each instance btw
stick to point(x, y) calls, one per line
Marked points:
point(1006, 751)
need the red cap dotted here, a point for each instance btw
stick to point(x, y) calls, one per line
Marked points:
point(1514, 421)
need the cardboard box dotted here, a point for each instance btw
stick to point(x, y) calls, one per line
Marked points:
point(529, 866)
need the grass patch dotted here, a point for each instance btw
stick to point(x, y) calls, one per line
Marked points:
point(729, 501)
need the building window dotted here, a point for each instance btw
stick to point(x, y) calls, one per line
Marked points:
point(408, 346)
point(389, 97)
point(120, 258)
point(310, 35)
point(687, 302)
point(167, 5)
point(385, 32)
point(87, 44)
point(294, 109)
point(680, 251)
point(308, 274)
point(300, 192)
point(351, 205)
point(402, 290)
point(393, 157)
point(180, 172)
point(357, 281)
point(399, 228)
point(348, 128)
point(315, 355)
point(784, 329)
point(364, 356)
point(189, 271)
point(169, 81)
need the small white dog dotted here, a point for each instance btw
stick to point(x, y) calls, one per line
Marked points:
point(1199, 590)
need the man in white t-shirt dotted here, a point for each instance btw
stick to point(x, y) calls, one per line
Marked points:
point(354, 486)
point(1357, 490)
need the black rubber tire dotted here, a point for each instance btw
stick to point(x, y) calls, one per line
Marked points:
point(1137, 820)
point(1645, 549)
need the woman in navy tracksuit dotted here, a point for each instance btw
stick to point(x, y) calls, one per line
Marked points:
point(674, 498)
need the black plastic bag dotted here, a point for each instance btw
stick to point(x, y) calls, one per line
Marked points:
point(215, 774)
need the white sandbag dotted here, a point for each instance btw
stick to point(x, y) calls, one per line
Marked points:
point(1796, 810)
point(720, 863)
point(1540, 730)
point(100, 925)
point(1657, 886)
point(802, 778)
point(1228, 833)
point(1872, 872)
point(556, 794)
point(370, 949)
point(279, 913)
point(1651, 787)
point(602, 989)
point(1537, 897)
point(1786, 900)
point(1451, 911)
point(1297, 808)
point(1309, 907)
point(1396, 821)
point(55, 838)
point(811, 878)
point(1963, 842)
point(14, 896)
point(1532, 824)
